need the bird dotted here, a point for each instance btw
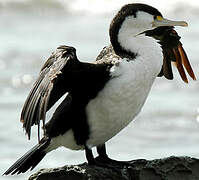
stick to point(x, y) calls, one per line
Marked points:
point(101, 97)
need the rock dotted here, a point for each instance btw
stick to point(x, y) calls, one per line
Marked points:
point(172, 168)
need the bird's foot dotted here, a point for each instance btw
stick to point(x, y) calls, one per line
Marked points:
point(104, 164)
point(111, 162)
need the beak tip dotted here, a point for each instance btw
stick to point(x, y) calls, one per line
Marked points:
point(185, 24)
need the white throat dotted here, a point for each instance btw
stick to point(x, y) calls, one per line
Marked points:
point(147, 49)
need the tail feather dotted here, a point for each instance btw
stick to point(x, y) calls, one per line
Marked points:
point(30, 159)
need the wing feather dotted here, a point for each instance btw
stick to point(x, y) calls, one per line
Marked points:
point(37, 102)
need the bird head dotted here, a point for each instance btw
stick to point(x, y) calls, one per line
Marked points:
point(140, 20)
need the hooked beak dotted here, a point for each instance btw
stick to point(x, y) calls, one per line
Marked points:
point(160, 21)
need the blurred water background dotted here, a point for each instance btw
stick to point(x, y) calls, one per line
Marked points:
point(31, 29)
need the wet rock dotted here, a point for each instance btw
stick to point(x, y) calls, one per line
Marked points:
point(172, 168)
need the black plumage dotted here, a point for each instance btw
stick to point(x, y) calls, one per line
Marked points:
point(30, 159)
point(64, 73)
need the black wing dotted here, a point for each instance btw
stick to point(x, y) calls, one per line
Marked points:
point(43, 95)
point(62, 73)
point(173, 52)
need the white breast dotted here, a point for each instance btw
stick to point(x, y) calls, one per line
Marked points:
point(122, 98)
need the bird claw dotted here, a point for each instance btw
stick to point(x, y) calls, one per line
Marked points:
point(111, 162)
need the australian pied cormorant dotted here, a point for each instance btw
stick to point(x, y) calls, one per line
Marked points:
point(104, 96)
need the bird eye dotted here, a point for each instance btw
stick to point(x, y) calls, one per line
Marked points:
point(159, 18)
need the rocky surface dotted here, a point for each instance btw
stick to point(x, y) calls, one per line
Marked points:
point(172, 168)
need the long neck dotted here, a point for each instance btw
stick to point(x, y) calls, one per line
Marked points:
point(113, 33)
point(148, 51)
point(124, 27)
